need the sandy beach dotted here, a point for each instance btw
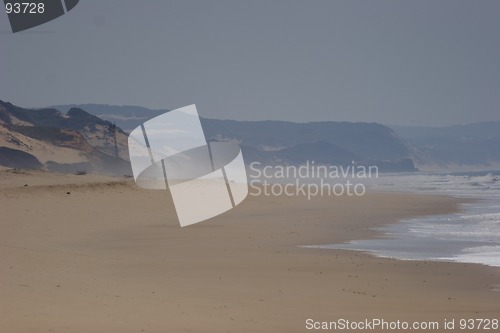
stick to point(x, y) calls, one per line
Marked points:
point(96, 254)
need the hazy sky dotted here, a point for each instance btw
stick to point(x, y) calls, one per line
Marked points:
point(392, 62)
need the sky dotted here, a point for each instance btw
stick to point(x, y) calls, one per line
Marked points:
point(431, 63)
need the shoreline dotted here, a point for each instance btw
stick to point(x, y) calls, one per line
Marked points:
point(112, 257)
point(410, 240)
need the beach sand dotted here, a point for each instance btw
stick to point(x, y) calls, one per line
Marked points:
point(97, 254)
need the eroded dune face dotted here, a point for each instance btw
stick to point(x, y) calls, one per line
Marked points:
point(71, 142)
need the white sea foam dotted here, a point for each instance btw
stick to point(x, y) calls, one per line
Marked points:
point(472, 236)
point(486, 255)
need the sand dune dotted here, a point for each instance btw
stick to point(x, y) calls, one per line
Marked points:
point(97, 254)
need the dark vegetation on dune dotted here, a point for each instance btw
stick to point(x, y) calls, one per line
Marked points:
point(13, 158)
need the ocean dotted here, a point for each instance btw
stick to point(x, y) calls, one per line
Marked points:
point(470, 236)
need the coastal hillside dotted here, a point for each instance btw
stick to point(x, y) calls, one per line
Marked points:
point(395, 148)
point(283, 142)
point(463, 147)
point(75, 142)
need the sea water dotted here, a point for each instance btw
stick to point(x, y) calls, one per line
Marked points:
point(471, 235)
